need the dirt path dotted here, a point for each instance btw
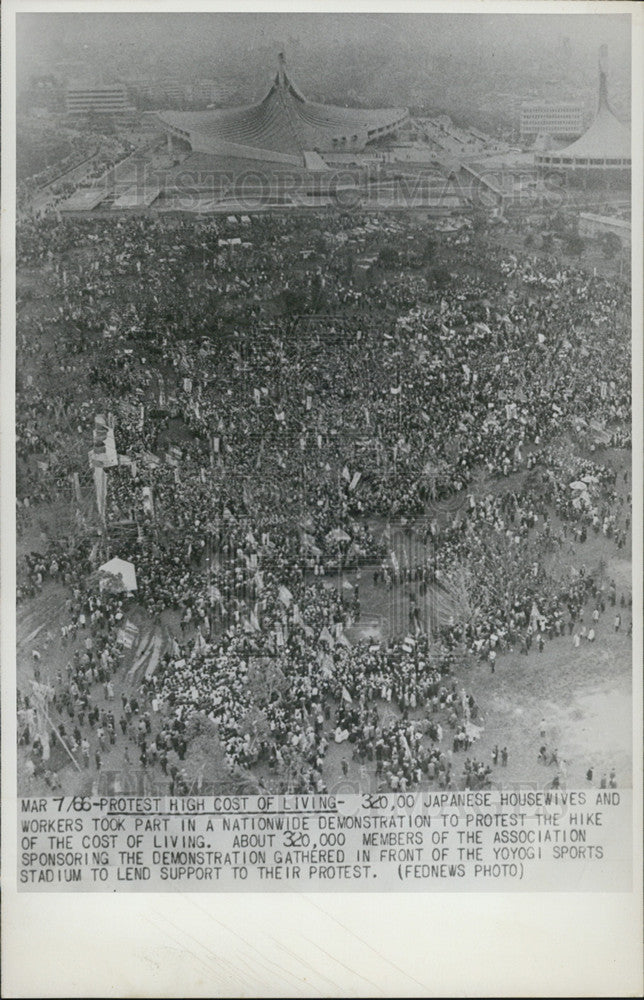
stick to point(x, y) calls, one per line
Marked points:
point(583, 694)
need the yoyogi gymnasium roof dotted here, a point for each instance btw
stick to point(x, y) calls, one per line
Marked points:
point(284, 125)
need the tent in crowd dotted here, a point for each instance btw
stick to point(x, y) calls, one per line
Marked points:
point(124, 572)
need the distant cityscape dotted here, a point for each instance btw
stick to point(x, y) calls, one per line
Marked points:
point(486, 86)
point(104, 127)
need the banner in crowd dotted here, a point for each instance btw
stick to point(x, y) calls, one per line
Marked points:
point(100, 482)
point(104, 450)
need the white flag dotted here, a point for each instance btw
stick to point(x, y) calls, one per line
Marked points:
point(148, 504)
point(100, 481)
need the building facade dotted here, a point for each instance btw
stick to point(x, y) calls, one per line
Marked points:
point(109, 99)
point(207, 91)
point(565, 119)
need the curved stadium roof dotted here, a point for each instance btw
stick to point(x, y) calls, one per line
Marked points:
point(606, 143)
point(284, 122)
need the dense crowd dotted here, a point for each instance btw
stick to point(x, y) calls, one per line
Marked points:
point(261, 460)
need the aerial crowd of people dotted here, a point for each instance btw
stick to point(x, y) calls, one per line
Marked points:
point(274, 420)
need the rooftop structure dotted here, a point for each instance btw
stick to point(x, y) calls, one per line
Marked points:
point(84, 200)
point(605, 146)
point(283, 126)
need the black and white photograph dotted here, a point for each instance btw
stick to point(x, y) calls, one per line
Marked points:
point(324, 480)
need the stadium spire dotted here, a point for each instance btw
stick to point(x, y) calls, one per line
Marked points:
point(281, 70)
point(603, 84)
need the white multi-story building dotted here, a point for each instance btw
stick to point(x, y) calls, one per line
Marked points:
point(172, 89)
point(99, 98)
point(160, 90)
point(554, 118)
point(207, 91)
